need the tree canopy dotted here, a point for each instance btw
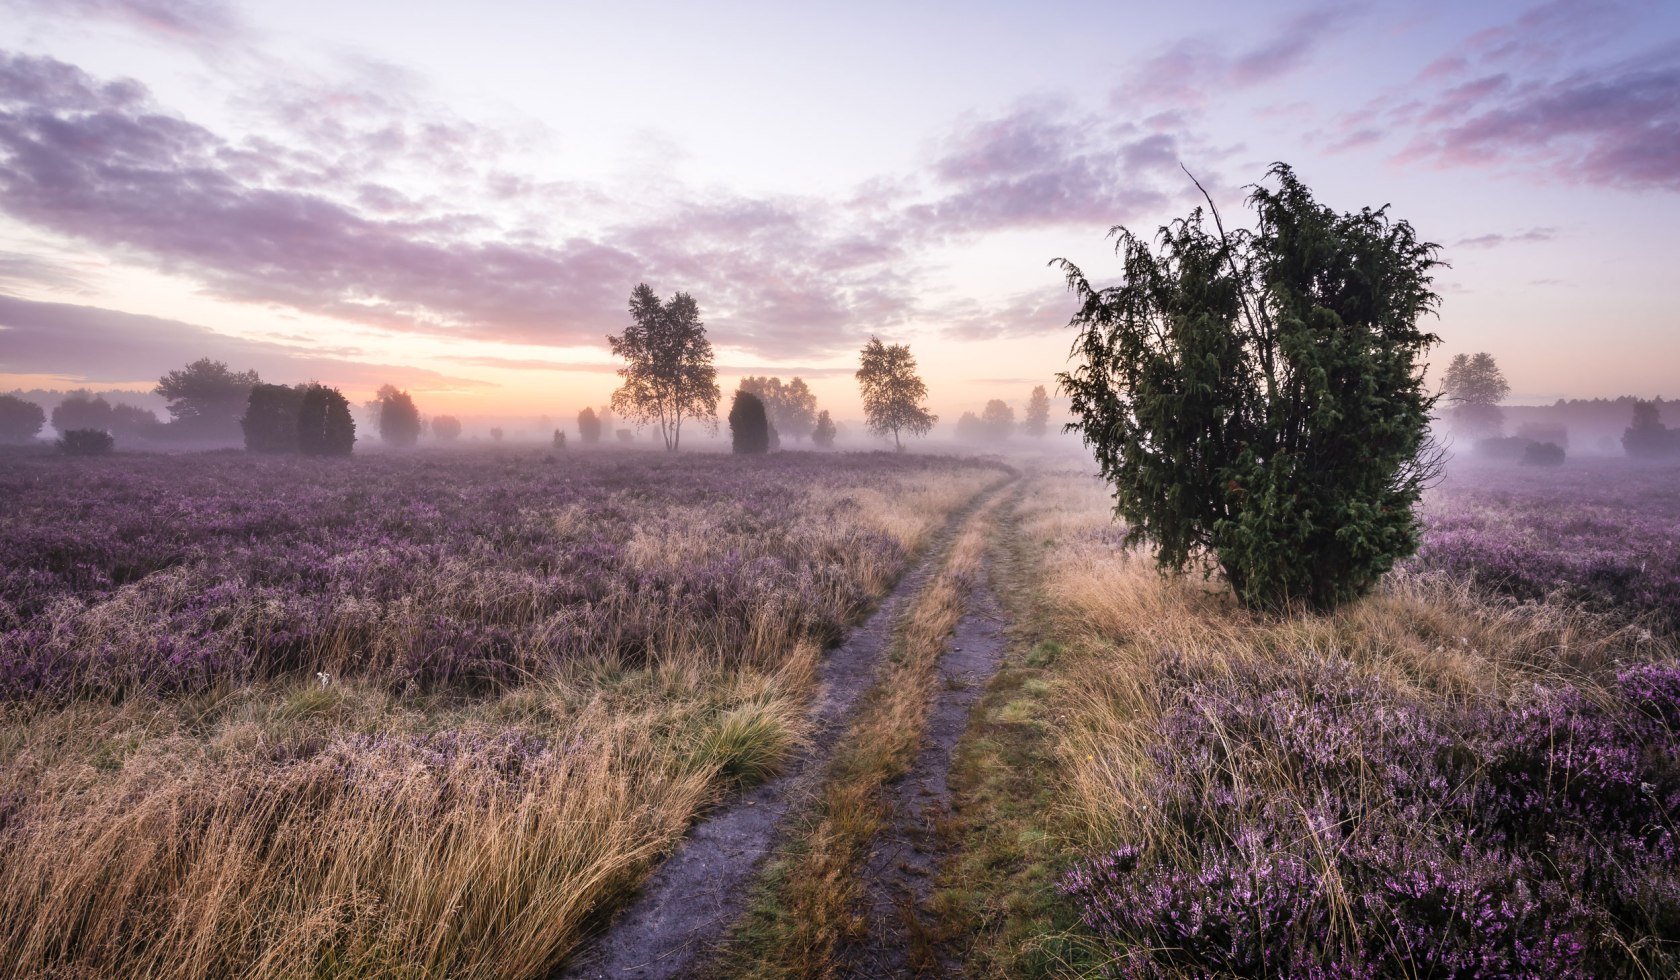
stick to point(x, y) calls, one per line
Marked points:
point(20, 420)
point(1256, 398)
point(206, 399)
point(792, 407)
point(1037, 421)
point(399, 419)
point(893, 394)
point(668, 375)
point(1475, 386)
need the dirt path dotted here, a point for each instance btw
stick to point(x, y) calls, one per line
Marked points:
point(688, 903)
point(903, 938)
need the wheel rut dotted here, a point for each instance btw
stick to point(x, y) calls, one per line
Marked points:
point(903, 938)
point(688, 903)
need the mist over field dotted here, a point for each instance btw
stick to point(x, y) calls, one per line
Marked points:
point(755, 490)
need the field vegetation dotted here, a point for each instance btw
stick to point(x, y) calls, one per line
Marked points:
point(425, 714)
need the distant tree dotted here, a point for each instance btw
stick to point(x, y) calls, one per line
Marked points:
point(1475, 386)
point(749, 424)
point(1255, 399)
point(1648, 436)
point(668, 375)
point(133, 422)
point(85, 442)
point(325, 427)
point(496, 433)
point(589, 427)
point(626, 436)
point(792, 407)
point(893, 394)
point(1037, 421)
point(20, 420)
point(82, 409)
point(271, 418)
point(446, 428)
point(399, 420)
point(999, 420)
point(206, 399)
point(822, 436)
point(970, 428)
point(559, 439)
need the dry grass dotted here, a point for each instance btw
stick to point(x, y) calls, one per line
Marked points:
point(812, 900)
point(1426, 636)
point(289, 829)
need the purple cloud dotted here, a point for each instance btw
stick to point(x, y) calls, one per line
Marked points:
point(1615, 125)
point(1193, 70)
point(1030, 314)
point(90, 345)
point(1493, 239)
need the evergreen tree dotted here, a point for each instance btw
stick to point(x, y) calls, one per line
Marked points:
point(1256, 399)
point(271, 417)
point(749, 424)
point(325, 427)
point(589, 427)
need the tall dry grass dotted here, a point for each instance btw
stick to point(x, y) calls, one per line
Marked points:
point(1133, 639)
point(289, 827)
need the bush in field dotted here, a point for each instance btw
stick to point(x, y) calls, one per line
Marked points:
point(399, 419)
point(271, 416)
point(446, 428)
point(20, 420)
point(626, 436)
point(86, 442)
point(822, 436)
point(1647, 436)
point(1535, 838)
point(749, 425)
point(1509, 448)
point(1542, 454)
point(325, 427)
point(559, 439)
point(589, 427)
point(1256, 398)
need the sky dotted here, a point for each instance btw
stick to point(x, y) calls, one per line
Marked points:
point(458, 198)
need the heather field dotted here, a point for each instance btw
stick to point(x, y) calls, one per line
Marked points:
point(1474, 772)
point(442, 713)
point(419, 714)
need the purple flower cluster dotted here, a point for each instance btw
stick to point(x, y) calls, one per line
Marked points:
point(1318, 825)
point(1606, 533)
point(177, 572)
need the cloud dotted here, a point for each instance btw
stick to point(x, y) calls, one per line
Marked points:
point(188, 20)
point(1031, 314)
point(88, 344)
point(1195, 70)
point(1493, 239)
point(18, 271)
point(262, 222)
point(1045, 164)
point(1614, 125)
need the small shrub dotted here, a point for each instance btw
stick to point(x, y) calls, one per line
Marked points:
point(1542, 454)
point(85, 442)
point(496, 433)
point(749, 425)
point(1507, 448)
point(559, 439)
point(749, 745)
